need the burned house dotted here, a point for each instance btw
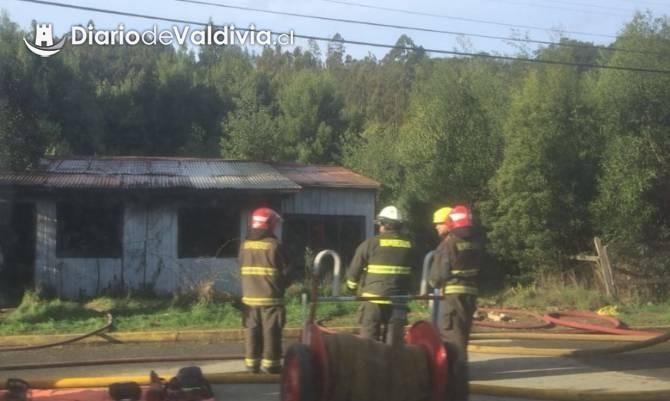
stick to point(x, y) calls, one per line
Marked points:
point(86, 226)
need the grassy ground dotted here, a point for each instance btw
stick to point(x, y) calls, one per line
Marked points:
point(634, 312)
point(35, 316)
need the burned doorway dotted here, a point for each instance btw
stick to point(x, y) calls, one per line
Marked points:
point(17, 250)
point(305, 235)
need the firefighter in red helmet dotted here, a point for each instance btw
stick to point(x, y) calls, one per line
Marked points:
point(264, 274)
point(455, 269)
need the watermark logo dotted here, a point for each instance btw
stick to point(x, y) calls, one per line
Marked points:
point(226, 35)
point(44, 41)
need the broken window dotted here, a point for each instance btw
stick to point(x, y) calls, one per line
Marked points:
point(89, 230)
point(208, 232)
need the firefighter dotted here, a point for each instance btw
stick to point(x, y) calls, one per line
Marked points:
point(455, 269)
point(264, 274)
point(383, 265)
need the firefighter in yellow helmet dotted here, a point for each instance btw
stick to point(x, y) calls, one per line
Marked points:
point(382, 266)
point(455, 269)
point(439, 219)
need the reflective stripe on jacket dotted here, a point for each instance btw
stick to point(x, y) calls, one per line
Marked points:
point(262, 272)
point(457, 262)
point(382, 266)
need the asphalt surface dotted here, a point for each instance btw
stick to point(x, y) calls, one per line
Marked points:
point(647, 369)
point(270, 392)
point(237, 392)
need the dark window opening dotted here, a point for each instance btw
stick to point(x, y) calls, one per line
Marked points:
point(208, 232)
point(316, 232)
point(89, 230)
point(17, 250)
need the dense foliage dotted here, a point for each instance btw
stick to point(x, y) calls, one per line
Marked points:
point(549, 155)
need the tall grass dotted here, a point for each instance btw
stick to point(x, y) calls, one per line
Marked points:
point(561, 296)
point(43, 316)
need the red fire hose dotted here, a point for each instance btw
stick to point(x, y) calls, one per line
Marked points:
point(609, 325)
point(618, 328)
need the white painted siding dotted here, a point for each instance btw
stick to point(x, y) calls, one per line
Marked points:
point(83, 277)
point(162, 270)
point(223, 273)
point(136, 245)
point(149, 257)
point(334, 202)
point(46, 273)
point(150, 246)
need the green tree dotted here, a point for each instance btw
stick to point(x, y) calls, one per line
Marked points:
point(538, 211)
point(312, 121)
point(43, 107)
point(252, 131)
point(451, 143)
point(374, 153)
point(634, 185)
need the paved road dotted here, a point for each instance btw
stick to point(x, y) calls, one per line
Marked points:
point(270, 392)
point(642, 370)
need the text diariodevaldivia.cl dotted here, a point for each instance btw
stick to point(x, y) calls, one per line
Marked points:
point(211, 35)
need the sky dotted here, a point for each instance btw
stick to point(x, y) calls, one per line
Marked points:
point(597, 21)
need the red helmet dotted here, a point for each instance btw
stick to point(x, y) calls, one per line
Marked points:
point(460, 216)
point(264, 218)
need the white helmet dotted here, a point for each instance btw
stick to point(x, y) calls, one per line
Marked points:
point(390, 214)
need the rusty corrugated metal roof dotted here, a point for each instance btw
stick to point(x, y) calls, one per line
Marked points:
point(150, 172)
point(325, 176)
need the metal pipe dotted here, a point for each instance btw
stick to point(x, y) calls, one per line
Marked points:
point(437, 293)
point(305, 309)
point(337, 267)
point(380, 298)
point(316, 270)
point(426, 270)
point(435, 307)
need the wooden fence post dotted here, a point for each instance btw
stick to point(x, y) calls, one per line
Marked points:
point(606, 267)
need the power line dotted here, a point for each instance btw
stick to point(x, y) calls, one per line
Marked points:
point(524, 4)
point(414, 28)
point(648, 3)
point(480, 21)
point(597, 6)
point(359, 42)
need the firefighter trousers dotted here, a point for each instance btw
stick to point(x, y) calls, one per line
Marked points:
point(262, 337)
point(383, 322)
point(455, 322)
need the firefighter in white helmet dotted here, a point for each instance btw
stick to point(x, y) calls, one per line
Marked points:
point(382, 266)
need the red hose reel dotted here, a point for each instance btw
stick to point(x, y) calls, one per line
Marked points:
point(306, 375)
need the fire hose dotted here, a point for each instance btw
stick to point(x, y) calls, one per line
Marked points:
point(555, 318)
point(573, 353)
point(640, 339)
point(122, 361)
point(100, 330)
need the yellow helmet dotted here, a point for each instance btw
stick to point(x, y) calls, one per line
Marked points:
point(441, 214)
